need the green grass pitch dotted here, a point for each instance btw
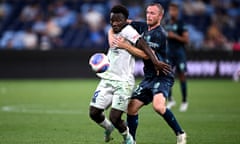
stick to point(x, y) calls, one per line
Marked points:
point(56, 112)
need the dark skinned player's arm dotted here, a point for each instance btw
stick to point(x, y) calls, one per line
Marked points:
point(165, 68)
point(122, 43)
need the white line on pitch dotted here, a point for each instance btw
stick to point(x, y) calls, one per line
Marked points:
point(26, 109)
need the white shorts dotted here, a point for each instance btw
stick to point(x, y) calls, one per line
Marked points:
point(114, 93)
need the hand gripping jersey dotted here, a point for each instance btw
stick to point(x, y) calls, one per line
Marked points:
point(122, 63)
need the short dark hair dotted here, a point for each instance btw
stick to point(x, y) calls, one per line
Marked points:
point(174, 4)
point(120, 9)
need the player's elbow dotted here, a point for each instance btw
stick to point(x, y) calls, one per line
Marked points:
point(95, 114)
point(145, 57)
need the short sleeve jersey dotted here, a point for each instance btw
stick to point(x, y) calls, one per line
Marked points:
point(122, 63)
point(178, 28)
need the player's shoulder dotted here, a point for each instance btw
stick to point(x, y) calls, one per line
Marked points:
point(129, 33)
point(138, 23)
point(139, 26)
point(181, 23)
point(160, 31)
point(128, 27)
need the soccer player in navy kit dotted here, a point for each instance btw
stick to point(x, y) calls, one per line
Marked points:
point(177, 38)
point(116, 85)
point(156, 85)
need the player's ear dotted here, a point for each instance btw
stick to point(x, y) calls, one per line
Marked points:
point(129, 21)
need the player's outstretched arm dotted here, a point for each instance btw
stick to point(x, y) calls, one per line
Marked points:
point(165, 68)
point(122, 43)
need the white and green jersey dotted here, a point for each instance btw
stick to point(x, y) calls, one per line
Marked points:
point(122, 63)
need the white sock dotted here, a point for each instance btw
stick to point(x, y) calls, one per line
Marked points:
point(106, 124)
point(125, 134)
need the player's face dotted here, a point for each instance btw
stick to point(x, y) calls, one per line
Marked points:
point(153, 15)
point(117, 22)
point(173, 12)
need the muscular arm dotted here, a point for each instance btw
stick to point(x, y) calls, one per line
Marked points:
point(143, 46)
point(165, 68)
point(120, 42)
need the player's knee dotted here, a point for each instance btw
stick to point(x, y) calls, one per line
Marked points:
point(159, 103)
point(161, 109)
point(94, 113)
point(133, 108)
point(131, 111)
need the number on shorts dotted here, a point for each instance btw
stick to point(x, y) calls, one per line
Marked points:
point(95, 96)
point(138, 90)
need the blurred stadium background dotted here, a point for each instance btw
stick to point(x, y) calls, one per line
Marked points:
point(41, 38)
point(79, 24)
point(46, 83)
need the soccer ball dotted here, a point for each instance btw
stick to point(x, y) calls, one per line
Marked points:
point(99, 62)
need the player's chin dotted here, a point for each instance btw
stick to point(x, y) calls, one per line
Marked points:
point(116, 29)
point(149, 22)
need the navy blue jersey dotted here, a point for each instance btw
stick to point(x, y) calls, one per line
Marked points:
point(141, 27)
point(176, 49)
point(178, 28)
point(157, 40)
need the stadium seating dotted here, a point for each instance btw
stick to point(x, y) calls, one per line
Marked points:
point(78, 24)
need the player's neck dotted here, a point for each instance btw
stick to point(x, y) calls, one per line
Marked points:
point(173, 20)
point(153, 27)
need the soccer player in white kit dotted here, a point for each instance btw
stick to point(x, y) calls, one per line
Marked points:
point(117, 83)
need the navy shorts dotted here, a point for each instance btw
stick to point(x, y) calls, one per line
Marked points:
point(178, 60)
point(152, 86)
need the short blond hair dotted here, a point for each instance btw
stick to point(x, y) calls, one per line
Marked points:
point(160, 7)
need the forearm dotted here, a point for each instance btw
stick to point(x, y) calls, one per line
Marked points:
point(182, 39)
point(136, 51)
point(143, 46)
point(121, 43)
